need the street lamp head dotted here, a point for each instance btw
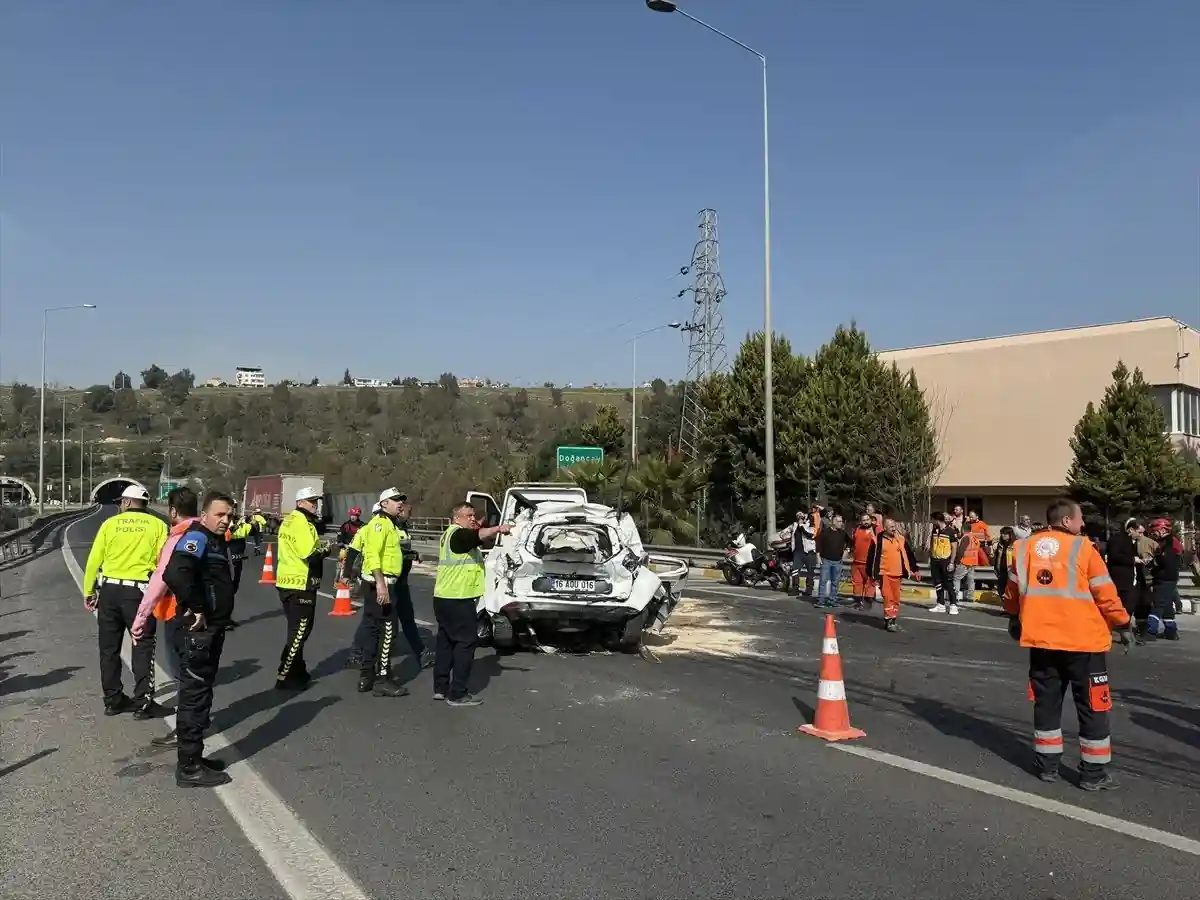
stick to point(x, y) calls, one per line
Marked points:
point(674, 324)
point(89, 306)
point(661, 6)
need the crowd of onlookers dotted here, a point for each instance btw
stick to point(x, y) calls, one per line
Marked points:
point(1144, 559)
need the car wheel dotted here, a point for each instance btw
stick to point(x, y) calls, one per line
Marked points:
point(483, 631)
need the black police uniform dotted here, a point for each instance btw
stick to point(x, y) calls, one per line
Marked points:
point(200, 575)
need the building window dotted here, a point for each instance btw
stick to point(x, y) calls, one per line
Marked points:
point(1181, 408)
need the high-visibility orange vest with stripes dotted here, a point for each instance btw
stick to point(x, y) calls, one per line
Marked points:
point(1060, 587)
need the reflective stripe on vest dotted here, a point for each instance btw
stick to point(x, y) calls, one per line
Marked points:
point(459, 575)
point(1068, 591)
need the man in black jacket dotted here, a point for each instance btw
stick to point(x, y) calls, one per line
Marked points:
point(832, 544)
point(200, 576)
point(1128, 572)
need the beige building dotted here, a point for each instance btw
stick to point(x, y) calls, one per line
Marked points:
point(1006, 456)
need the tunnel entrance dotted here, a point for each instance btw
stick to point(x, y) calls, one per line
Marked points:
point(109, 491)
point(16, 492)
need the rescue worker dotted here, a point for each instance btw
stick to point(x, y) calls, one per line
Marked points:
point(260, 527)
point(891, 561)
point(382, 563)
point(1063, 606)
point(862, 585)
point(239, 529)
point(298, 572)
point(981, 530)
point(966, 557)
point(942, 540)
point(119, 565)
point(1168, 560)
point(350, 526)
point(351, 572)
point(875, 517)
point(201, 578)
point(456, 590)
point(183, 509)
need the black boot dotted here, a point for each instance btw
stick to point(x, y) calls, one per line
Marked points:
point(366, 681)
point(170, 739)
point(115, 707)
point(150, 710)
point(385, 687)
point(197, 774)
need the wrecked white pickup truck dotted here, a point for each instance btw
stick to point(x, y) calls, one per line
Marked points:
point(570, 566)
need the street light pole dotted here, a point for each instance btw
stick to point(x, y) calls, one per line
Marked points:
point(63, 452)
point(42, 406)
point(633, 424)
point(667, 6)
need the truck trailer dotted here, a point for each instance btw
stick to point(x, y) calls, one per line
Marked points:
point(275, 495)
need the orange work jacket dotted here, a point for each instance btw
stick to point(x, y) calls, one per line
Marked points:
point(891, 557)
point(863, 539)
point(982, 535)
point(1060, 588)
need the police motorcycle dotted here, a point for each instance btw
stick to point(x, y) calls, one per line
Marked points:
point(743, 563)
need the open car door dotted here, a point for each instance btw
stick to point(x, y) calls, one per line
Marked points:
point(487, 511)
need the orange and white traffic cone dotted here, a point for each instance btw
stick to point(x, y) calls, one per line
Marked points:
point(341, 601)
point(268, 573)
point(832, 721)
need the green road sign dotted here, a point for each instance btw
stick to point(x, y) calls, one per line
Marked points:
point(165, 486)
point(572, 456)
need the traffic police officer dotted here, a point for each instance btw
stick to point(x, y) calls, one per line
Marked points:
point(1064, 606)
point(382, 563)
point(239, 529)
point(297, 578)
point(351, 569)
point(459, 584)
point(405, 613)
point(122, 559)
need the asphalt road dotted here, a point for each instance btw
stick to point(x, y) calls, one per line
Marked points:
point(593, 775)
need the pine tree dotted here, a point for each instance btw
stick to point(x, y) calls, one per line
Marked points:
point(867, 427)
point(1124, 463)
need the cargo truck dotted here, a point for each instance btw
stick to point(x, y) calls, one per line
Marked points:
point(275, 495)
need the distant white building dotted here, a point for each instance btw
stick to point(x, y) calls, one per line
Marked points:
point(249, 376)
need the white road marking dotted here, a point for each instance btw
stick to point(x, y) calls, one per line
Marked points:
point(302, 866)
point(1058, 808)
point(726, 592)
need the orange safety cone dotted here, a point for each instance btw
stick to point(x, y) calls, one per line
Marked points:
point(268, 573)
point(832, 721)
point(341, 601)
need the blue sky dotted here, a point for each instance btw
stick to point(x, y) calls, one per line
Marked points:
point(506, 188)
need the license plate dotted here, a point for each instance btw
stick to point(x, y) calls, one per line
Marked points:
point(574, 585)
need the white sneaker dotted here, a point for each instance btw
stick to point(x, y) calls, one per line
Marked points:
point(954, 609)
point(940, 607)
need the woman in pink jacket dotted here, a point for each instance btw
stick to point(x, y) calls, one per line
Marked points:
point(183, 508)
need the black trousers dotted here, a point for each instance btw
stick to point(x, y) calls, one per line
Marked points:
point(941, 573)
point(1051, 672)
point(458, 633)
point(380, 618)
point(199, 657)
point(403, 606)
point(806, 562)
point(299, 607)
point(1136, 600)
point(115, 612)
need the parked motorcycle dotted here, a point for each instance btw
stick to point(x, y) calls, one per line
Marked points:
point(745, 564)
point(781, 554)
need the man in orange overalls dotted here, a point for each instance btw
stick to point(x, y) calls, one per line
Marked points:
point(890, 561)
point(862, 585)
point(1064, 606)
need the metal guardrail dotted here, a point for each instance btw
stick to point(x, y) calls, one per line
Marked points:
point(21, 542)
